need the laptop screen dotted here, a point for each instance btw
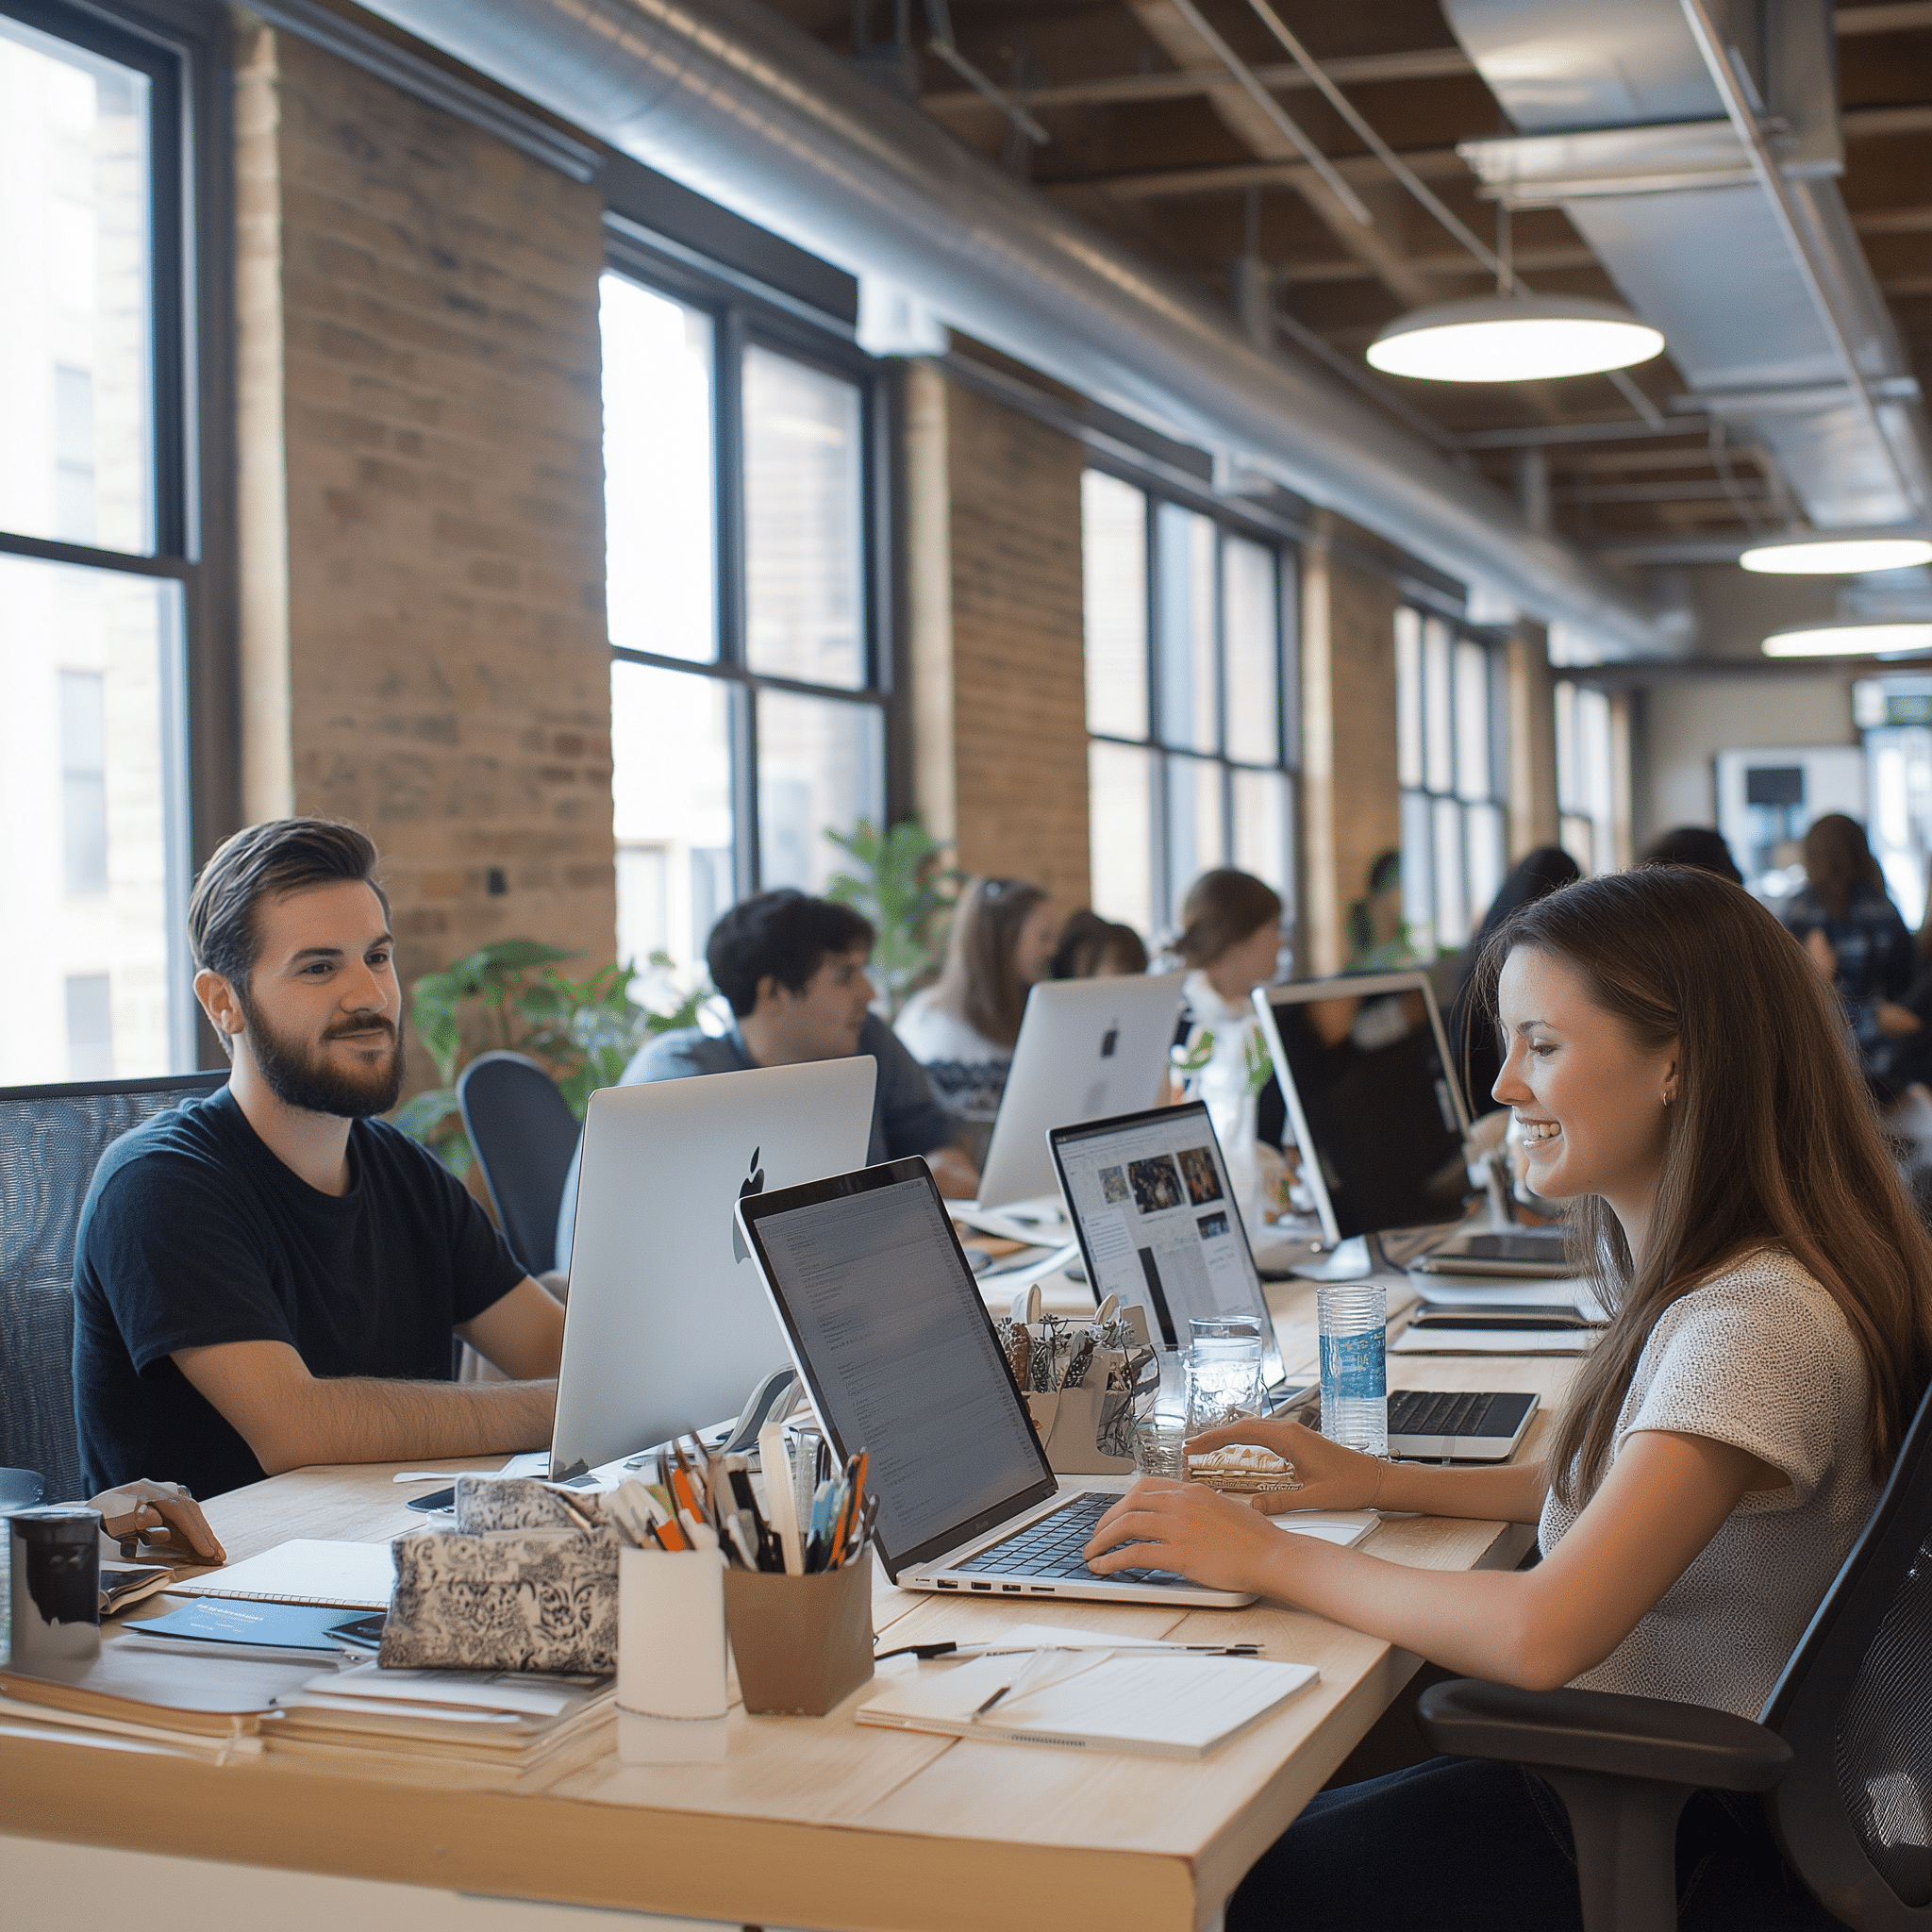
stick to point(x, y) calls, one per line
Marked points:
point(1369, 1090)
point(1157, 1222)
point(887, 1326)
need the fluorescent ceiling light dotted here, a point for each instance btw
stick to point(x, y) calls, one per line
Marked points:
point(1513, 339)
point(1850, 640)
point(1844, 553)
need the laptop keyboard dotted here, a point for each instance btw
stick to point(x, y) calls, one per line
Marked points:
point(1050, 1549)
point(1439, 1412)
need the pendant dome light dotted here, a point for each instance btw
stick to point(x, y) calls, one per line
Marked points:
point(1879, 638)
point(1513, 339)
point(1838, 553)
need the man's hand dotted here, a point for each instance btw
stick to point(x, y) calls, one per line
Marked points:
point(161, 1514)
point(958, 1179)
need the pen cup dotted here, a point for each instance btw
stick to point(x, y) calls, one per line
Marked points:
point(671, 1692)
point(802, 1644)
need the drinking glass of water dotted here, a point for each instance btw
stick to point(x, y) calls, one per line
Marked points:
point(1354, 1321)
point(1224, 1371)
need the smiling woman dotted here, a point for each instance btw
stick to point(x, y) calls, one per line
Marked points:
point(1683, 1080)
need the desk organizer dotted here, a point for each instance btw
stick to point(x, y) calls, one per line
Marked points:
point(1073, 1423)
point(519, 1585)
point(802, 1644)
point(672, 1692)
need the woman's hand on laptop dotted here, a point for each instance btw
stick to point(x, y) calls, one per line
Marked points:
point(1331, 1476)
point(1212, 1539)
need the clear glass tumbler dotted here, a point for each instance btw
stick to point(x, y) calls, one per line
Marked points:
point(1224, 1371)
point(1160, 1448)
point(1355, 1365)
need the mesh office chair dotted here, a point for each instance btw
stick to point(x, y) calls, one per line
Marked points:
point(1843, 1752)
point(524, 1134)
point(51, 1140)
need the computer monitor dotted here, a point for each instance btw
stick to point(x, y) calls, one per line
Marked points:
point(1087, 1048)
point(1377, 1114)
point(668, 1324)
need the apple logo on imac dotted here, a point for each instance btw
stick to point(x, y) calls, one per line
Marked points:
point(753, 1183)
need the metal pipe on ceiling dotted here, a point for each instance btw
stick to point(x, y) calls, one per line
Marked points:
point(748, 111)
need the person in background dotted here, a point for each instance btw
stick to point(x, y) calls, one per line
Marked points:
point(962, 1029)
point(1471, 1039)
point(1377, 936)
point(1856, 937)
point(1696, 846)
point(794, 971)
point(1720, 1450)
point(1230, 942)
point(1092, 947)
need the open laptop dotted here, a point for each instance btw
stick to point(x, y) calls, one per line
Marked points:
point(887, 1326)
point(667, 1326)
point(1365, 1071)
point(1156, 1222)
point(1087, 1048)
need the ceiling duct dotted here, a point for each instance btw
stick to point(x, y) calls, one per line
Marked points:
point(1767, 302)
point(741, 107)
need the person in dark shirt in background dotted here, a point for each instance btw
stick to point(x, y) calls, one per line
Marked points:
point(269, 1277)
point(1693, 846)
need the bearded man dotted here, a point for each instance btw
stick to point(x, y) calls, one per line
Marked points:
point(269, 1277)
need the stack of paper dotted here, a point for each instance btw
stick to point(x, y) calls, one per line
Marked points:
point(350, 1577)
point(203, 1708)
point(494, 1721)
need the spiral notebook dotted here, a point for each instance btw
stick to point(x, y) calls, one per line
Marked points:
point(351, 1576)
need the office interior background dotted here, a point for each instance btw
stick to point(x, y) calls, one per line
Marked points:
point(600, 503)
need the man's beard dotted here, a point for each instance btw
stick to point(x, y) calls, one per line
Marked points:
point(298, 1075)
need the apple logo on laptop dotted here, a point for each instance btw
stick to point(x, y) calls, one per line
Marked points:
point(753, 1183)
point(1109, 1040)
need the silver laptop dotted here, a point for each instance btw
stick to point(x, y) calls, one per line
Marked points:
point(1087, 1048)
point(1156, 1222)
point(887, 1326)
point(1365, 1071)
point(668, 1328)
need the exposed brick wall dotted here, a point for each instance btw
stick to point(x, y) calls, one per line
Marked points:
point(999, 681)
point(1350, 796)
point(423, 640)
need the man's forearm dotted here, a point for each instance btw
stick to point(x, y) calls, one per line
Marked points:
point(363, 1419)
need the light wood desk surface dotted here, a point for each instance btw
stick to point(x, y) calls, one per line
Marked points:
point(808, 1821)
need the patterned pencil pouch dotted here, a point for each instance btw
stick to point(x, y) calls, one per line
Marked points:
point(521, 1584)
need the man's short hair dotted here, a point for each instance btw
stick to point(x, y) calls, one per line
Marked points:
point(268, 861)
point(783, 936)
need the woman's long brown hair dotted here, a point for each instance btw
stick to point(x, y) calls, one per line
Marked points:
point(1772, 1140)
point(980, 983)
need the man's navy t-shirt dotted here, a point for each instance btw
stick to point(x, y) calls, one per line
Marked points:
point(193, 1233)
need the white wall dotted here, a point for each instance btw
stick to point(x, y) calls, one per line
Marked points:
point(1689, 720)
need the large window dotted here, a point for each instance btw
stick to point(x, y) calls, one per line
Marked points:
point(1450, 727)
point(104, 498)
point(1191, 680)
point(1589, 736)
point(747, 688)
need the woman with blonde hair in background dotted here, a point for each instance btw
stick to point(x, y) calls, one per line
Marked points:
point(1679, 1070)
point(962, 1029)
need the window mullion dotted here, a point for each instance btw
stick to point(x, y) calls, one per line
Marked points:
point(728, 475)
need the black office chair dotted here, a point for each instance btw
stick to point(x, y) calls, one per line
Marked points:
point(51, 1140)
point(524, 1134)
point(1843, 1751)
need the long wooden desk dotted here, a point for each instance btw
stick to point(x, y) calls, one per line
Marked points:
point(808, 1821)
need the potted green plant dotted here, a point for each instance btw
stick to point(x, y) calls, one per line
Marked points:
point(583, 1032)
point(898, 882)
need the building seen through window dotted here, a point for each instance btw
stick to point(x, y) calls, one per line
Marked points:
point(747, 713)
point(93, 825)
point(1449, 732)
point(1191, 677)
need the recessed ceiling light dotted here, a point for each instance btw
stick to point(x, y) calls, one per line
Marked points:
point(1877, 639)
point(1843, 553)
point(1513, 339)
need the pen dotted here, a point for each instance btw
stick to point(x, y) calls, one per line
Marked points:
point(926, 1653)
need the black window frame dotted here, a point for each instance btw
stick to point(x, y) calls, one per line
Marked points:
point(1229, 521)
point(183, 47)
point(747, 315)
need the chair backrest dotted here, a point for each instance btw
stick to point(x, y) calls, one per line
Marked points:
point(51, 1140)
point(524, 1134)
point(1855, 1704)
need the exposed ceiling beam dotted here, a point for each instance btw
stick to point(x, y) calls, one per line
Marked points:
point(1438, 163)
point(1260, 128)
point(1906, 285)
point(1662, 492)
point(1894, 221)
point(1365, 70)
point(1867, 123)
point(1546, 435)
point(1362, 70)
point(1525, 262)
